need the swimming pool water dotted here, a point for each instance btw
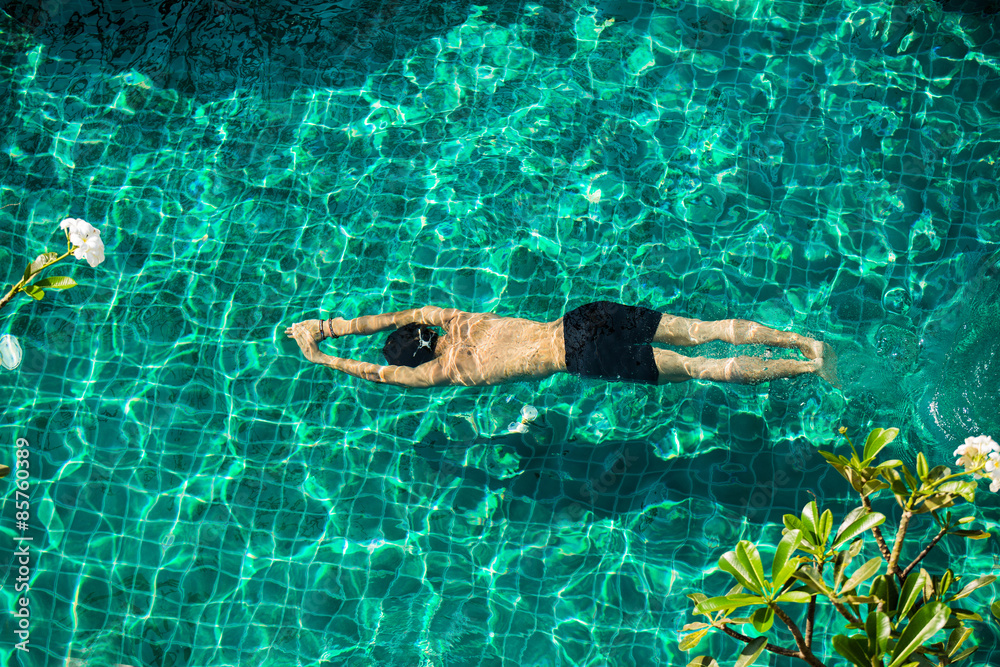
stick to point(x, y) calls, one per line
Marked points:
point(201, 495)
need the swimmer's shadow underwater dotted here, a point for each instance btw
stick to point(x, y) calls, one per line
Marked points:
point(579, 480)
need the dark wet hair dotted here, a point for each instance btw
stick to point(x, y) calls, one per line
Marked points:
point(410, 345)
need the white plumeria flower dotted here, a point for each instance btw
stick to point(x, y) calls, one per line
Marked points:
point(86, 238)
point(993, 468)
point(975, 449)
point(75, 226)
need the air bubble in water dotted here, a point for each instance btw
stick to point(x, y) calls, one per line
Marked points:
point(897, 300)
point(10, 352)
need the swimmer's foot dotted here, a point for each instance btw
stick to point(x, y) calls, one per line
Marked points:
point(828, 365)
point(811, 348)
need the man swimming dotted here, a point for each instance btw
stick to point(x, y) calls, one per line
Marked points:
point(598, 340)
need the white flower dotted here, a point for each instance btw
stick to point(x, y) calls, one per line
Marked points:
point(86, 238)
point(974, 451)
point(75, 225)
point(92, 250)
point(993, 468)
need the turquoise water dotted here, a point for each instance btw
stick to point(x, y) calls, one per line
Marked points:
point(201, 495)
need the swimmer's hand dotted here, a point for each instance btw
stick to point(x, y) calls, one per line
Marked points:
point(305, 335)
point(314, 327)
point(335, 327)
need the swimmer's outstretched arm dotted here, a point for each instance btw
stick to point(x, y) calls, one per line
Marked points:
point(430, 374)
point(371, 324)
point(336, 327)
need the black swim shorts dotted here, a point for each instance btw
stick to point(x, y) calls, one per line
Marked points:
point(611, 341)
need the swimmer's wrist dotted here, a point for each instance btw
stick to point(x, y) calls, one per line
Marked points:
point(328, 328)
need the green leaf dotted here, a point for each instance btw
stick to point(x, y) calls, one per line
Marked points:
point(751, 652)
point(797, 597)
point(879, 630)
point(885, 590)
point(840, 564)
point(786, 546)
point(937, 472)
point(860, 599)
point(703, 661)
point(852, 650)
point(691, 641)
point(897, 485)
point(924, 625)
point(964, 654)
point(942, 585)
point(995, 610)
point(727, 602)
point(762, 619)
point(56, 282)
point(697, 597)
point(36, 264)
point(34, 292)
point(877, 440)
point(957, 638)
point(688, 627)
point(810, 516)
point(971, 534)
point(965, 489)
point(873, 486)
point(792, 522)
point(850, 474)
point(936, 502)
point(966, 615)
point(832, 458)
point(911, 481)
point(825, 527)
point(861, 575)
point(971, 586)
point(912, 589)
point(851, 517)
point(855, 547)
point(731, 563)
point(812, 577)
point(863, 523)
point(966, 519)
point(922, 468)
point(749, 557)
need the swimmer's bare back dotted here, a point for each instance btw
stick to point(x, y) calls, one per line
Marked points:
point(483, 349)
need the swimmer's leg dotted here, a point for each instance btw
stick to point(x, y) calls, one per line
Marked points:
point(683, 331)
point(674, 367)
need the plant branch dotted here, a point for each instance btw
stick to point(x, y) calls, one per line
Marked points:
point(897, 547)
point(804, 652)
point(811, 613)
point(882, 546)
point(810, 618)
point(10, 295)
point(844, 611)
point(927, 549)
point(20, 285)
point(780, 650)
